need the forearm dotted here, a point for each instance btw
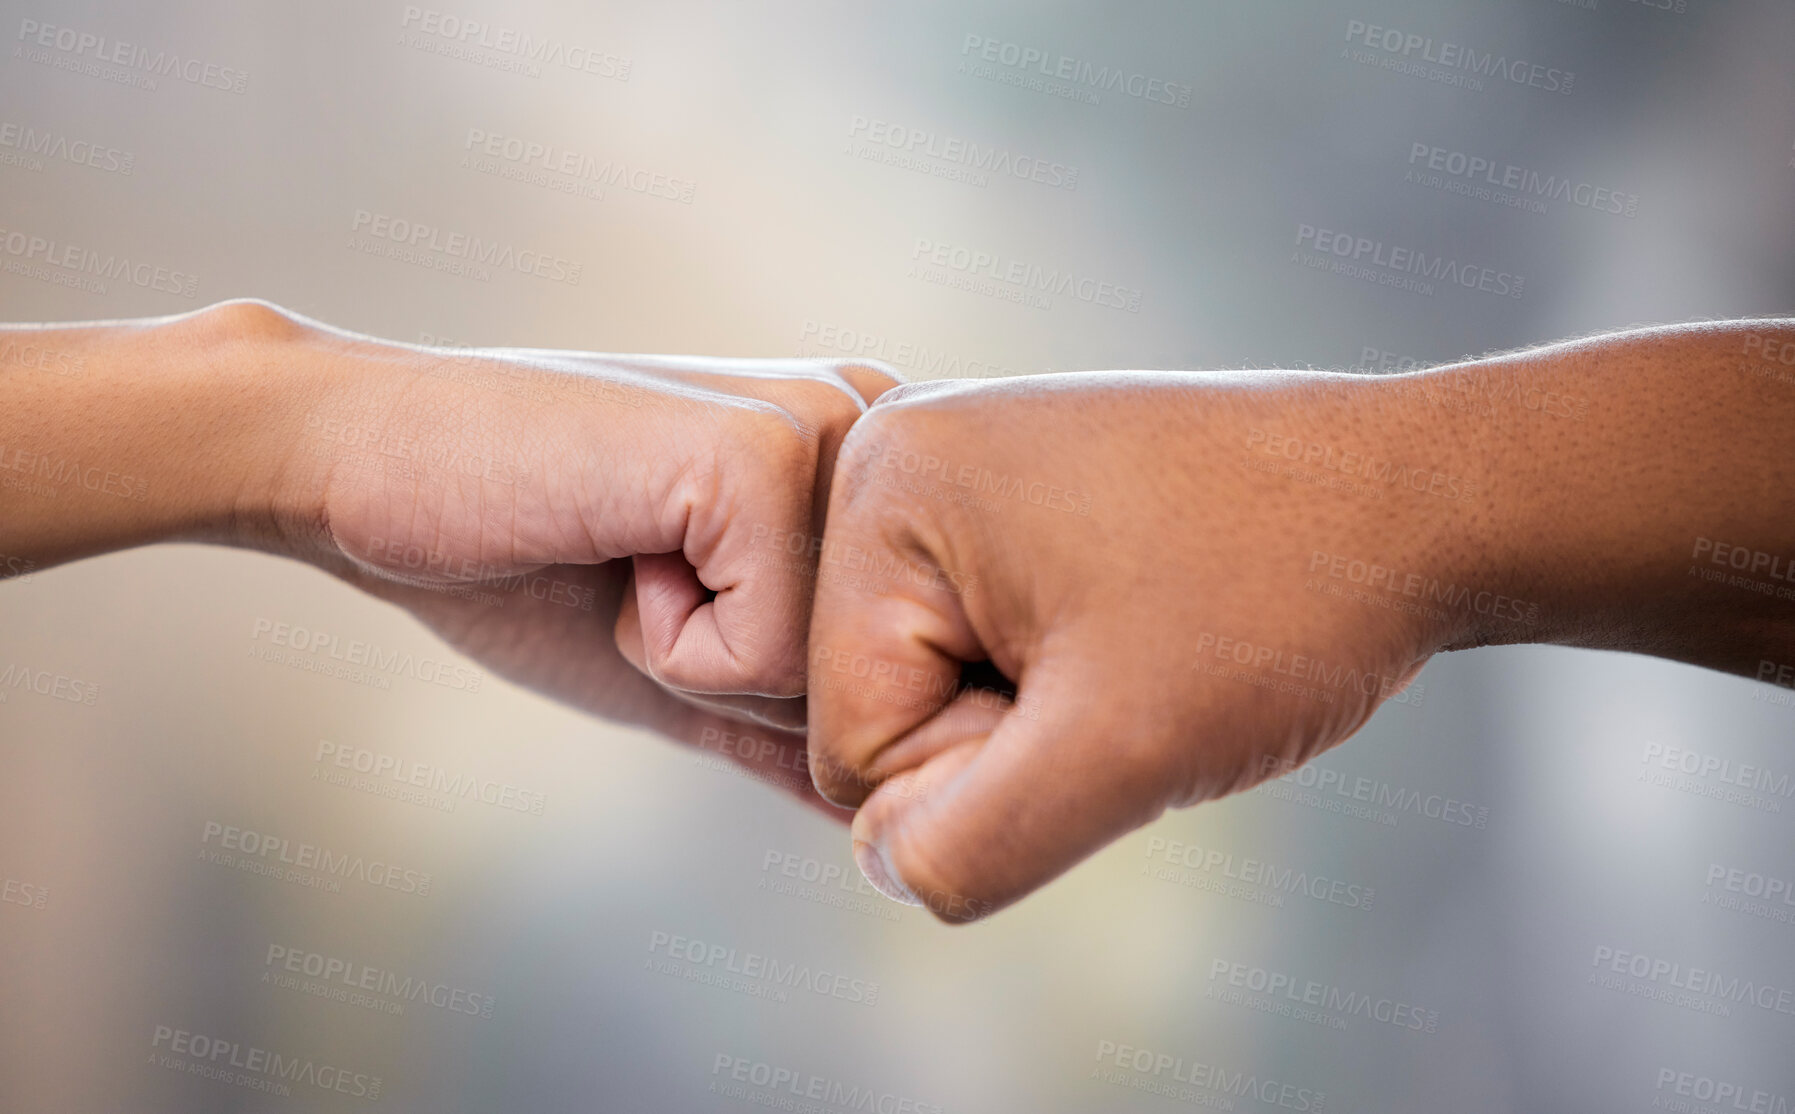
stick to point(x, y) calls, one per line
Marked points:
point(1662, 455)
point(122, 434)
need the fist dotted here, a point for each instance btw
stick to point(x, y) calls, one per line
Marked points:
point(1068, 602)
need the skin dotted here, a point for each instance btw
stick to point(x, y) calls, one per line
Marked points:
point(1040, 611)
point(1173, 595)
point(622, 508)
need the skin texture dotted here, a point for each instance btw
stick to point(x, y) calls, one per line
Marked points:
point(623, 508)
point(1039, 611)
point(1179, 574)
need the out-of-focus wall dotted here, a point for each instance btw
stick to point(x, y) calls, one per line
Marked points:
point(811, 178)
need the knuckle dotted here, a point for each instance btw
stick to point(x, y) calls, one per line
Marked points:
point(774, 436)
point(829, 403)
point(776, 676)
point(666, 667)
point(912, 393)
point(887, 469)
point(842, 761)
point(836, 783)
point(880, 430)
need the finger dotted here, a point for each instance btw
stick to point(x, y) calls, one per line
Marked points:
point(716, 616)
point(773, 757)
point(825, 397)
point(668, 594)
point(994, 810)
point(869, 378)
point(885, 661)
point(778, 713)
point(881, 667)
point(786, 714)
point(570, 654)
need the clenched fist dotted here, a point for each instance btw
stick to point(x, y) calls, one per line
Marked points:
point(1137, 550)
point(1095, 596)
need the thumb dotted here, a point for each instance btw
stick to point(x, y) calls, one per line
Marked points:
point(989, 799)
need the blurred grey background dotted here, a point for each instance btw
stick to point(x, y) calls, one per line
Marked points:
point(1537, 860)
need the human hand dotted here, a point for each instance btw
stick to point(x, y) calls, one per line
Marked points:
point(437, 468)
point(552, 632)
point(1137, 548)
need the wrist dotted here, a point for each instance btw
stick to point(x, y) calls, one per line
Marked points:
point(1407, 510)
point(1464, 524)
point(226, 395)
point(1609, 464)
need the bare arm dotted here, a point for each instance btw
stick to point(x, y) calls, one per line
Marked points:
point(1199, 581)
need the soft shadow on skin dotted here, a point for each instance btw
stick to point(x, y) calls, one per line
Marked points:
point(535, 637)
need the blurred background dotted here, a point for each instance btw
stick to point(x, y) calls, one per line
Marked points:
point(1547, 881)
